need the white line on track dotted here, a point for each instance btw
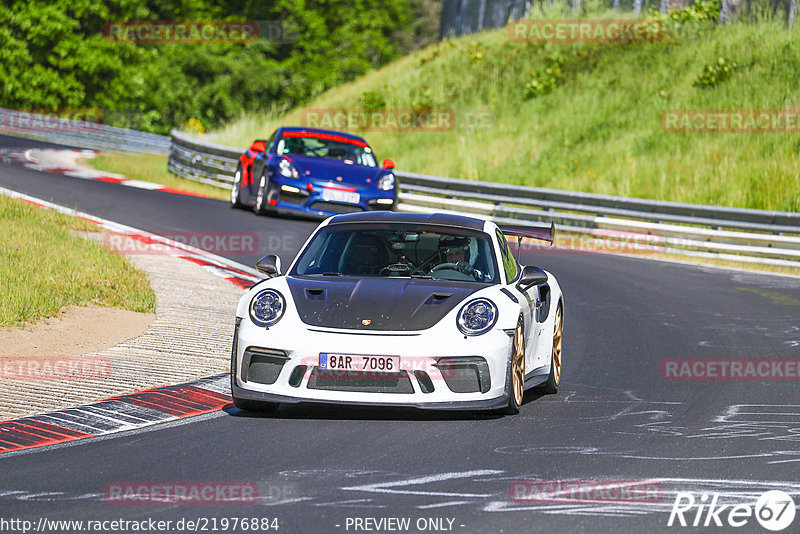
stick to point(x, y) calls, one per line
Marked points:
point(389, 487)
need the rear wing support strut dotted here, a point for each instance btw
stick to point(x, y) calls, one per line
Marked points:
point(543, 232)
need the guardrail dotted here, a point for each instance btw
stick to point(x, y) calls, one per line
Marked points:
point(80, 133)
point(735, 234)
point(202, 162)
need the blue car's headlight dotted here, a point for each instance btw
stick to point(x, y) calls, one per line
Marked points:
point(287, 169)
point(267, 307)
point(386, 183)
point(477, 317)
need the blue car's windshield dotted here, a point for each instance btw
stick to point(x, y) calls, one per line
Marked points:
point(328, 146)
point(394, 250)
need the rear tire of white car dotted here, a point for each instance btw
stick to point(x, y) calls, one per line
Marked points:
point(515, 383)
point(554, 380)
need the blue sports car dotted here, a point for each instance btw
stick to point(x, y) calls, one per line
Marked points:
point(313, 171)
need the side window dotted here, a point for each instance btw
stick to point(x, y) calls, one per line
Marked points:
point(509, 263)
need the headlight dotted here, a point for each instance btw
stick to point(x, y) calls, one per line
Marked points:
point(267, 307)
point(386, 183)
point(287, 169)
point(477, 317)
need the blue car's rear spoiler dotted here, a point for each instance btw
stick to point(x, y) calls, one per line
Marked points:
point(543, 232)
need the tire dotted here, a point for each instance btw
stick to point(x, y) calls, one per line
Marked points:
point(236, 189)
point(554, 380)
point(515, 383)
point(261, 197)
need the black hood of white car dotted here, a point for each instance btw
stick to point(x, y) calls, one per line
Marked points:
point(400, 304)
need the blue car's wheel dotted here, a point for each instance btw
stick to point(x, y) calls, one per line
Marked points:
point(261, 197)
point(236, 189)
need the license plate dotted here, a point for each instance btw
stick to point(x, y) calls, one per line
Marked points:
point(353, 362)
point(335, 195)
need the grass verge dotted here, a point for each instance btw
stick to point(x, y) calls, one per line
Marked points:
point(45, 268)
point(152, 168)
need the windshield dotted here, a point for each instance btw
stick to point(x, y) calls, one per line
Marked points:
point(327, 146)
point(399, 251)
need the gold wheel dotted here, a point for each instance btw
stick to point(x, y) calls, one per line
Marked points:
point(557, 338)
point(519, 364)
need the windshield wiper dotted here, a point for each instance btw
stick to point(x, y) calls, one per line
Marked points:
point(423, 276)
point(324, 274)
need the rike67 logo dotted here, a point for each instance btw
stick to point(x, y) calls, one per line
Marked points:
point(774, 510)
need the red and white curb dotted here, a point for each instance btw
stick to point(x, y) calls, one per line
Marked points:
point(142, 408)
point(65, 162)
point(236, 273)
point(117, 414)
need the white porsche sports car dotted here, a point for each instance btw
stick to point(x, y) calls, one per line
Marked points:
point(400, 309)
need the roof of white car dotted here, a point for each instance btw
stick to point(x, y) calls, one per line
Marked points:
point(439, 219)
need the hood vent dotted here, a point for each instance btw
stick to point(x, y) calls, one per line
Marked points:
point(386, 303)
point(315, 293)
point(438, 298)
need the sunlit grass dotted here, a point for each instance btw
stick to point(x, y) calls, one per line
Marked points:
point(152, 168)
point(599, 131)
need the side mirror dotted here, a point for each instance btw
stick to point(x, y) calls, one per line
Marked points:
point(531, 276)
point(269, 265)
point(388, 164)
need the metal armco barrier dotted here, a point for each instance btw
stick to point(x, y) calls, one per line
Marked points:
point(80, 133)
point(202, 162)
point(735, 234)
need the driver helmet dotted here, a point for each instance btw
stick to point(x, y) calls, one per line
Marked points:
point(454, 249)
